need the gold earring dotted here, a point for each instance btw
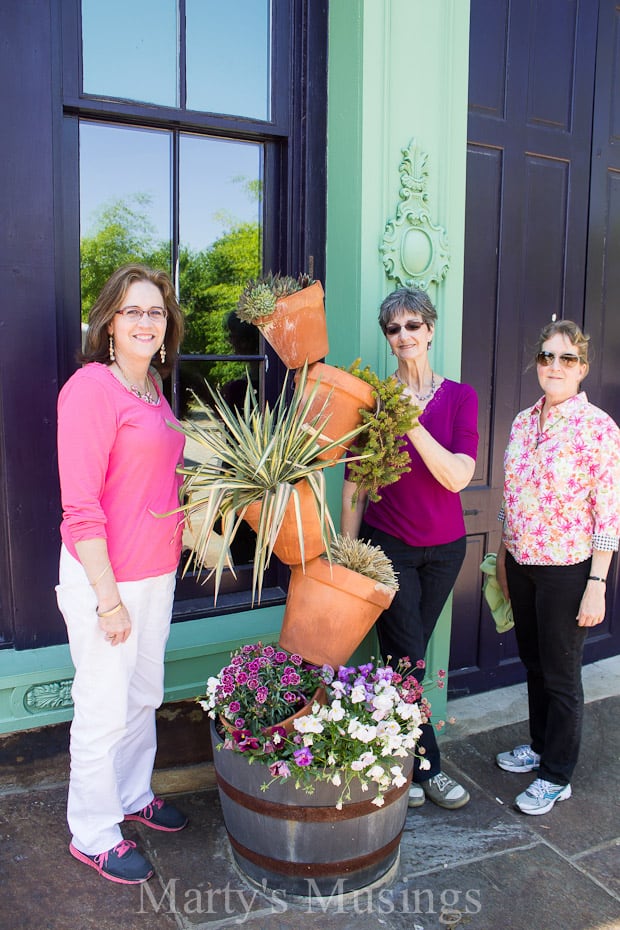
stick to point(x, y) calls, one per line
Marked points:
point(111, 349)
point(162, 352)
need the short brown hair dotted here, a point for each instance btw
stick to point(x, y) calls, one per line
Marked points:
point(573, 333)
point(112, 294)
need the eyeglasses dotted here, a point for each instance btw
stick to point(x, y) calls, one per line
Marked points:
point(548, 358)
point(135, 314)
point(412, 326)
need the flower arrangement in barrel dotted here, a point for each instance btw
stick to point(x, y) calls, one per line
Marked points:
point(362, 725)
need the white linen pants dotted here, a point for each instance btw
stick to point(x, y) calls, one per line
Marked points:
point(116, 691)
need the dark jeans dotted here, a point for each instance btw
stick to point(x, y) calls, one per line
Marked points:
point(545, 601)
point(426, 576)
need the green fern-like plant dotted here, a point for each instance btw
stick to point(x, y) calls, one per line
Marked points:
point(259, 296)
point(379, 446)
point(360, 556)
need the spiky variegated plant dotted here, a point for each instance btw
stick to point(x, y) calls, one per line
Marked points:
point(360, 556)
point(254, 455)
point(258, 298)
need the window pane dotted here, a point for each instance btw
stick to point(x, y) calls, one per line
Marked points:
point(125, 209)
point(220, 235)
point(130, 49)
point(229, 57)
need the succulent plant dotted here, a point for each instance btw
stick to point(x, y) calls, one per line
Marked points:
point(379, 446)
point(258, 298)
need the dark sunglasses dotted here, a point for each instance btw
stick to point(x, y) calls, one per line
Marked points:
point(412, 326)
point(548, 358)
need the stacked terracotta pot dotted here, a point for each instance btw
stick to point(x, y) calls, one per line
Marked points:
point(329, 609)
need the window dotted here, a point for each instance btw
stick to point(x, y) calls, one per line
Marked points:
point(184, 148)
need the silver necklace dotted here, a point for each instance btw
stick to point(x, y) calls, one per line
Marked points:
point(145, 395)
point(420, 397)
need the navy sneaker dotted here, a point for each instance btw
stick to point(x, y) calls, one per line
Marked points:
point(122, 864)
point(160, 815)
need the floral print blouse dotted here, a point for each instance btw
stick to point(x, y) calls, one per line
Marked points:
point(561, 485)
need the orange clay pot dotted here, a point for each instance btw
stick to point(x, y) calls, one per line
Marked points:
point(329, 611)
point(287, 546)
point(297, 329)
point(345, 395)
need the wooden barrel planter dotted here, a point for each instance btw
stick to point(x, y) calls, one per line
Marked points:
point(300, 843)
point(343, 396)
point(329, 610)
point(297, 329)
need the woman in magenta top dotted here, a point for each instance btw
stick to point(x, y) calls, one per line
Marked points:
point(118, 458)
point(418, 521)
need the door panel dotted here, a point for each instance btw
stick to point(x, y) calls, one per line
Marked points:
point(531, 90)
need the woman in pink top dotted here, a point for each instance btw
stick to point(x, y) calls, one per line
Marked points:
point(118, 458)
point(419, 520)
point(561, 523)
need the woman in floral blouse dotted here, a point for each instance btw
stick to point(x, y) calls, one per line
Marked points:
point(561, 523)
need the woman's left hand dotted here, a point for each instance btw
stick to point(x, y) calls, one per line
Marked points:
point(592, 607)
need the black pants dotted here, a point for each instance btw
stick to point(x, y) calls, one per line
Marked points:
point(426, 576)
point(545, 601)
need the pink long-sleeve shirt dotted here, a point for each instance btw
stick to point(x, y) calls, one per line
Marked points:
point(117, 459)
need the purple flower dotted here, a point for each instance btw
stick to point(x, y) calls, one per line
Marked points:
point(253, 666)
point(279, 769)
point(239, 723)
point(290, 697)
point(296, 659)
point(253, 683)
point(269, 651)
point(234, 707)
point(242, 677)
point(280, 658)
point(262, 694)
point(303, 756)
point(245, 740)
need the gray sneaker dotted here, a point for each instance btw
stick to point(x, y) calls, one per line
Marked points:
point(540, 797)
point(519, 759)
point(416, 795)
point(445, 792)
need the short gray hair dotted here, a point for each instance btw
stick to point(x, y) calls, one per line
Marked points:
point(403, 299)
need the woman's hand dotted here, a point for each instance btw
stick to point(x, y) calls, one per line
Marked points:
point(453, 470)
point(117, 627)
point(592, 607)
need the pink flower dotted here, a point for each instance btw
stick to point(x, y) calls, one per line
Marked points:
point(279, 769)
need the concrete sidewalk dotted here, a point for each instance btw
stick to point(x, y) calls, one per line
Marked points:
point(485, 867)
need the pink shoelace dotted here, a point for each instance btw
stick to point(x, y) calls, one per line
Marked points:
point(120, 849)
point(155, 805)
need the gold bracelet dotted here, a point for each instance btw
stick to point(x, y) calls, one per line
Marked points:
point(110, 613)
point(99, 577)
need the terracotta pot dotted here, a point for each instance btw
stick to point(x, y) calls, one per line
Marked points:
point(287, 546)
point(345, 395)
point(329, 610)
point(284, 838)
point(319, 696)
point(297, 329)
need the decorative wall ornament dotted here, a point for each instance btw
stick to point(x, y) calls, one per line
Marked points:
point(53, 695)
point(415, 250)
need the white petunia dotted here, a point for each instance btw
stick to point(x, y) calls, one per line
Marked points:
point(378, 801)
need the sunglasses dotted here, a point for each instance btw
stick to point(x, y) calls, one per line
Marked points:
point(412, 326)
point(566, 361)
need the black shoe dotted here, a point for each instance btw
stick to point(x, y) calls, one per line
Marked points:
point(122, 864)
point(160, 815)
